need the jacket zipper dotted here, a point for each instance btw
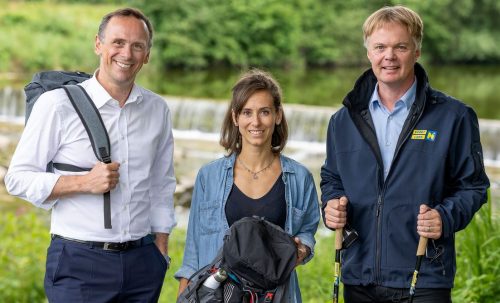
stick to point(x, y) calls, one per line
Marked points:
point(415, 117)
point(378, 242)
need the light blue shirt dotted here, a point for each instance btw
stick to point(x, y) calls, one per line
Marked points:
point(207, 218)
point(388, 125)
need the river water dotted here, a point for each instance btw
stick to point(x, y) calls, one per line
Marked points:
point(197, 118)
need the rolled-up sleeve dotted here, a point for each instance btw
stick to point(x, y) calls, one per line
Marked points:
point(311, 217)
point(26, 177)
point(190, 262)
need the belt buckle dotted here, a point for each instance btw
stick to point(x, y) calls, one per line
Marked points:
point(109, 246)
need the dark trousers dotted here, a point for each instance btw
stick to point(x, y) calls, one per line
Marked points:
point(78, 272)
point(380, 294)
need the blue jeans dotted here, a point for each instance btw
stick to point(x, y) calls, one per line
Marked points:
point(78, 272)
point(380, 294)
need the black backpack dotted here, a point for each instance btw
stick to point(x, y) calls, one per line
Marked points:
point(259, 258)
point(86, 110)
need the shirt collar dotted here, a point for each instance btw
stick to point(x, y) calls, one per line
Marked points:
point(408, 98)
point(100, 96)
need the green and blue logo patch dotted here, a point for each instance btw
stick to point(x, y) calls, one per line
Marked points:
point(424, 134)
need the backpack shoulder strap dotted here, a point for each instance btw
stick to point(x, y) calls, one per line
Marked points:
point(92, 121)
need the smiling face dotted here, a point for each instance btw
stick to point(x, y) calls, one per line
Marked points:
point(257, 120)
point(392, 54)
point(123, 50)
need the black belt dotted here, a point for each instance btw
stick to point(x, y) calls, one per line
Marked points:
point(113, 246)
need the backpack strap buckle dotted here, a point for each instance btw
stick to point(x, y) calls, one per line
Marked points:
point(269, 296)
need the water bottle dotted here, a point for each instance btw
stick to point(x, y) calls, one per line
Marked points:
point(215, 279)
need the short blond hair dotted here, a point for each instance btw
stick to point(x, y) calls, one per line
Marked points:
point(395, 14)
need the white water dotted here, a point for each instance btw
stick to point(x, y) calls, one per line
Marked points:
point(201, 120)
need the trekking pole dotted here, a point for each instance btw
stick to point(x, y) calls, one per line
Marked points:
point(338, 247)
point(422, 245)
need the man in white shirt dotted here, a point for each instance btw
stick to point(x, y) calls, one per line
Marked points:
point(85, 262)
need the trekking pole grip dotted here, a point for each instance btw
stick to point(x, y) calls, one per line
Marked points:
point(338, 247)
point(422, 245)
point(338, 238)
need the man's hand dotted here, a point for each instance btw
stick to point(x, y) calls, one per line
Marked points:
point(102, 178)
point(429, 224)
point(336, 213)
point(161, 241)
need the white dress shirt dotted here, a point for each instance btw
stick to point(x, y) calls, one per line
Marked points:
point(141, 141)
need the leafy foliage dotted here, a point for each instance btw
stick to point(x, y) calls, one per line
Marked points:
point(22, 257)
point(478, 259)
point(37, 36)
point(26, 237)
point(201, 34)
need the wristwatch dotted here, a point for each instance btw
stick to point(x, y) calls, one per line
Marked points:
point(167, 259)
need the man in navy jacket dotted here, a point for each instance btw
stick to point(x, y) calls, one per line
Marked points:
point(408, 161)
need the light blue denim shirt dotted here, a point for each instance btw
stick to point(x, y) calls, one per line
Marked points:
point(207, 219)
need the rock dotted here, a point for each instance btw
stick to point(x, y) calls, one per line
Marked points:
point(184, 192)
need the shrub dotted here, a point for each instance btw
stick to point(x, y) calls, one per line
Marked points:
point(26, 237)
point(22, 257)
point(478, 259)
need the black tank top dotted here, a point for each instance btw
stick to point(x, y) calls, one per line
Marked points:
point(271, 206)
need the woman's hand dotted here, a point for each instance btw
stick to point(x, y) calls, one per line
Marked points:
point(302, 251)
point(183, 283)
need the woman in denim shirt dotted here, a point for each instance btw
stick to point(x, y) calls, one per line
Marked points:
point(253, 179)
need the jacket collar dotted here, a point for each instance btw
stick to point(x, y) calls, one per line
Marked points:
point(359, 97)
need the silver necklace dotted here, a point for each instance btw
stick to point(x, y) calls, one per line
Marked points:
point(255, 173)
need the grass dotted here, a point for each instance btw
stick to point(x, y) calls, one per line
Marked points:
point(478, 258)
point(22, 269)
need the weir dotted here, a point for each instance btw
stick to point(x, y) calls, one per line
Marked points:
point(201, 120)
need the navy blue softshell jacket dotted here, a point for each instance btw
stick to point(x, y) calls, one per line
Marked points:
point(438, 161)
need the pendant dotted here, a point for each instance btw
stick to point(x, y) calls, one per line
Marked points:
point(255, 177)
